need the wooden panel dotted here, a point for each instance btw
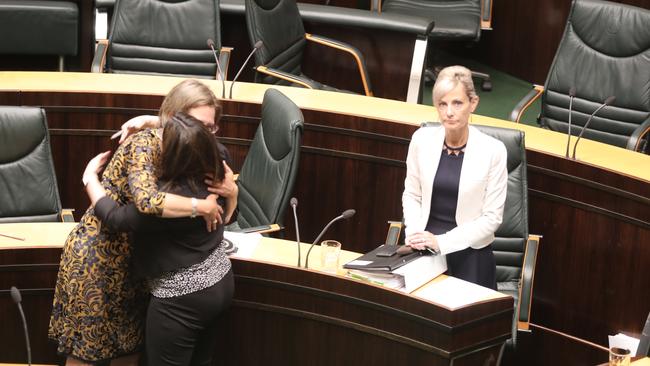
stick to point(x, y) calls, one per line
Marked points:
point(290, 314)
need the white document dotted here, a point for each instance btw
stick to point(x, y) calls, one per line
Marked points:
point(245, 243)
point(420, 271)
point(454, 293)
point(623, 341)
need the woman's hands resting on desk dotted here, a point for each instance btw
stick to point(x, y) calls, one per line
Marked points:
point(208, 208)
point(421, 240)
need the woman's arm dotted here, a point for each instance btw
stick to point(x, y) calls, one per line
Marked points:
point(412, 196)
point(136, 124)
point(228, 189)
point(142, 181)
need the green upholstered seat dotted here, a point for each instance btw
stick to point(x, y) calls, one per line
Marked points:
point(267, 177)
point(28, 187)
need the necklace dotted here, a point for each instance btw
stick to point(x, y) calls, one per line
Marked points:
point(459, 148)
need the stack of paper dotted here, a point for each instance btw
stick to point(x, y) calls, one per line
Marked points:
point(406, 278)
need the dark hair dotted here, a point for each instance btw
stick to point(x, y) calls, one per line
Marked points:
point(189, 152)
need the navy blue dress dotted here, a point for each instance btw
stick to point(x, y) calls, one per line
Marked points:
point(473, 265)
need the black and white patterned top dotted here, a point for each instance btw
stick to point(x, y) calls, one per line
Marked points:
point(193, 278)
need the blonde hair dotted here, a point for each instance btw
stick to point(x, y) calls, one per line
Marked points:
point(449, 78)
point(186, 95)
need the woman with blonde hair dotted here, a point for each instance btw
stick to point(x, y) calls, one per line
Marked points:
point(456, 183)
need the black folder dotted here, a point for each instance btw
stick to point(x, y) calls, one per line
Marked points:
point(383, 264)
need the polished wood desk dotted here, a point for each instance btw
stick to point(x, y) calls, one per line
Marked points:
point(593, 213)
point(288, 315)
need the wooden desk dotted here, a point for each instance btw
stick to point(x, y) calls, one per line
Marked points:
point(291, 316)
point(594, 213)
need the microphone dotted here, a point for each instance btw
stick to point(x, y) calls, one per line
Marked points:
point(572, 94)
point(15, 295)
point(294, 202)
point(345, 215)
point(219, 70)
point(256, 47)
point(607, 102)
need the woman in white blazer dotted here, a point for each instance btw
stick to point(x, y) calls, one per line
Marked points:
point(456, 183)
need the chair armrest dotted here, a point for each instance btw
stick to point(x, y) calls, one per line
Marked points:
point(224, 60)
point(285, 76)
point(486, 14)
point(99, 60)
point(394, 232)
point(634, 143)
point(66, 215)
point(526, 283)
point(262, 229)
point(342, 46)
point(523, 104)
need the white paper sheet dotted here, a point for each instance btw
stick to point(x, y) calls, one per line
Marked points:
point(454, 293)
point(246, 243)
point(623, 341)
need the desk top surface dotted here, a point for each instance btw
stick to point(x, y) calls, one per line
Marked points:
point(549, 142)
point(268, 250)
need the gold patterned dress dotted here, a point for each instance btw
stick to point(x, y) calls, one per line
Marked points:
point(98, 310)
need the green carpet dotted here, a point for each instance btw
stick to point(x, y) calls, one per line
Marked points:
point(506, 92)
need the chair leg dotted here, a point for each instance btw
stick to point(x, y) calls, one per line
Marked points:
point(486, 81)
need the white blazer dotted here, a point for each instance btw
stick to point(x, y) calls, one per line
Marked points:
point(481, 191)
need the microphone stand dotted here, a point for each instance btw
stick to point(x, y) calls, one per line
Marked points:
point(15, 295)
point(294, 203)
point(607, 102)
point(572, 94)
point(345, 215)
point(257, 46)
point(219, 70)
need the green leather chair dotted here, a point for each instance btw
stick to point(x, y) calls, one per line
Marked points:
point(267, 177)
point(454, 21)
point(28, 188)
point(277, 23)
point(605, 51)
point(515, 250)
point(163, 38)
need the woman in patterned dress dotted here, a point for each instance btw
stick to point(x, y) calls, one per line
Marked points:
point(98, 309)
point(188, 273)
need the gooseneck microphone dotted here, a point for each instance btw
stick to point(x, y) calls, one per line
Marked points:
point(219, 69)
point(572, 94)
point(607, 102)
point(345, 215)
point(294, 202)
point(15, 295)
point(256, 47)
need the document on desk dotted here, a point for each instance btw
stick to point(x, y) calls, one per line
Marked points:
point(245, 243)
point(454, 293)
point(406, 278)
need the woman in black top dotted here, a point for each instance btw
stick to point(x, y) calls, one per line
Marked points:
point(456, 183)
point(188, 274)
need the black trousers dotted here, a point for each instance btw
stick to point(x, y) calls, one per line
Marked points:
point(474, 265)
point(182, 330)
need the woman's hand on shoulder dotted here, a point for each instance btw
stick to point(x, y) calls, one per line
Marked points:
point(136, 124)
point(226, 188)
